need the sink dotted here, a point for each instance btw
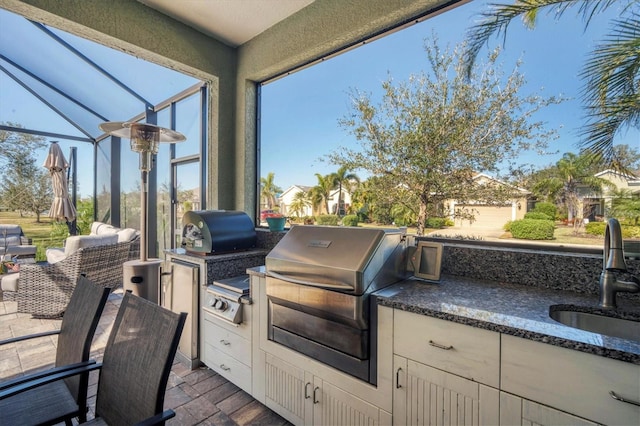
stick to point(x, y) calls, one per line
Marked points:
point(609, 326)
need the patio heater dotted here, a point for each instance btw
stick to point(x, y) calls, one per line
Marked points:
point(142, 276)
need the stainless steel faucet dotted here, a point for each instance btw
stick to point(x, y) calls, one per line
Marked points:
point(613, 261)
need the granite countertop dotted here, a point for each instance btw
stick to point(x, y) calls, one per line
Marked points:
point(517, 310)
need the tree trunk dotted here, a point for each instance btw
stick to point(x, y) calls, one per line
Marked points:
point(422, 217)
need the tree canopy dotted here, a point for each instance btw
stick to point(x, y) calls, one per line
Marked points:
point(428, 137)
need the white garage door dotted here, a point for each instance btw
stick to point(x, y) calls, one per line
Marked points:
point(487, 217)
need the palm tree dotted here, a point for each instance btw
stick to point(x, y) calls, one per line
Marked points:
point(626, 204)
point(269, 190)
point(342, 178)
point(322, 191)
point(563, 181)
point(300, 202)
point(611, 91)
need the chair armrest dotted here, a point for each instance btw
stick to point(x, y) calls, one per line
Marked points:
point(158, 419)
point(28, 336)
point(41, 374)
point(46, 379)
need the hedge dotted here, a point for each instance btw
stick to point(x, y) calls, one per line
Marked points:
point(532, 229)
point(549, 209)
point(327, 219)
point(538, 215)
point(350, 220)
point(435, 222)
point(595, 228)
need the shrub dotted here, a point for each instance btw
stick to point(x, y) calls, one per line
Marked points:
point(549, 209)
point(538, 215)
point(532, 229)
point(449, 222)
point(629, 231)
point(507, 226)
point(595, 228)
point(350, 220)
point(327, 219)
point(435, 222)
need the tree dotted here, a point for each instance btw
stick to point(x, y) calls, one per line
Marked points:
point(321, 193)
point(26, 187)
point(300, 202)
point(269, 190)
point(14, 145)
point(561, 182)
point(428, 137)
point(611, 75)
point(626, 204)
point(342, 178)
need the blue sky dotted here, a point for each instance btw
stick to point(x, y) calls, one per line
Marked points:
point(300, 112)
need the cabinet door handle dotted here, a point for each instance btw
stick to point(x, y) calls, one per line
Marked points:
point(306, 388)
point(621, 399)
point(225, 342)
point(315, 391)
point(224, 367)
point(398, 385)
point(439, 346)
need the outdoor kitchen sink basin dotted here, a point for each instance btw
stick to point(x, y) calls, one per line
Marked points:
point(628, 329)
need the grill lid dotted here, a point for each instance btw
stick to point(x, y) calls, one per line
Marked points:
point(217, 231)
point(346, 259)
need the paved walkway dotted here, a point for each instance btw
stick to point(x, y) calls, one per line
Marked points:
point(199, 397)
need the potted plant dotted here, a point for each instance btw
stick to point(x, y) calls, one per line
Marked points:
point(276, 222)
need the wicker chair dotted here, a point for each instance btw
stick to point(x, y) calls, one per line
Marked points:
point(135, 368)
point(44, 289)
point(74, 343)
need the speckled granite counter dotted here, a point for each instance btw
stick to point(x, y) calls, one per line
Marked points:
point(510, 309)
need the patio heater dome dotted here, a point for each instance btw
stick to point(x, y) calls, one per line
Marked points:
point(143, 276)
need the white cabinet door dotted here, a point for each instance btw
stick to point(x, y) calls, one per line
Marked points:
point(425, 395)
point(288, 391)
point(519, 411)
point(304, 399)
point(334, 406)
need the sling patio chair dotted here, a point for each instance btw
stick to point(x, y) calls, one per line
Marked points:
point(135, 368)
point(75, 335)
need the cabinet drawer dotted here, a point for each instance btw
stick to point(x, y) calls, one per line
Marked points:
point(225, 341)
point(228, 367)
point(571, 381)
point(459, 349)
point(243, 329)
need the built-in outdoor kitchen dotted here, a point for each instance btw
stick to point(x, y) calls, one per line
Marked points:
point(351, 325)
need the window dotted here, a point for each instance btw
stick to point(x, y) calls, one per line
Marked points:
point(300, 112)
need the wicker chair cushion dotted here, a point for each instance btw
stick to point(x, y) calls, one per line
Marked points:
point(10, 282)
point(81, 241)
point(127, 234)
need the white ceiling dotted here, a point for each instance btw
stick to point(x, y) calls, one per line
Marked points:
point(233, 22)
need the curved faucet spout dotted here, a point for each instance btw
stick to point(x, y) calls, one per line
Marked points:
point(613, 261)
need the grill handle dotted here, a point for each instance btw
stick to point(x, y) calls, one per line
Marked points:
point(309, 283)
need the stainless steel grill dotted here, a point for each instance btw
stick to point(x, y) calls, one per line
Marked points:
point(319, 285)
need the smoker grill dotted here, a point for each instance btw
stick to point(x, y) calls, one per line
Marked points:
point(217, 231)
point(319, 287)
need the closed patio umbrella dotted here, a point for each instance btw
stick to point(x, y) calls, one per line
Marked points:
point(61, 207)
